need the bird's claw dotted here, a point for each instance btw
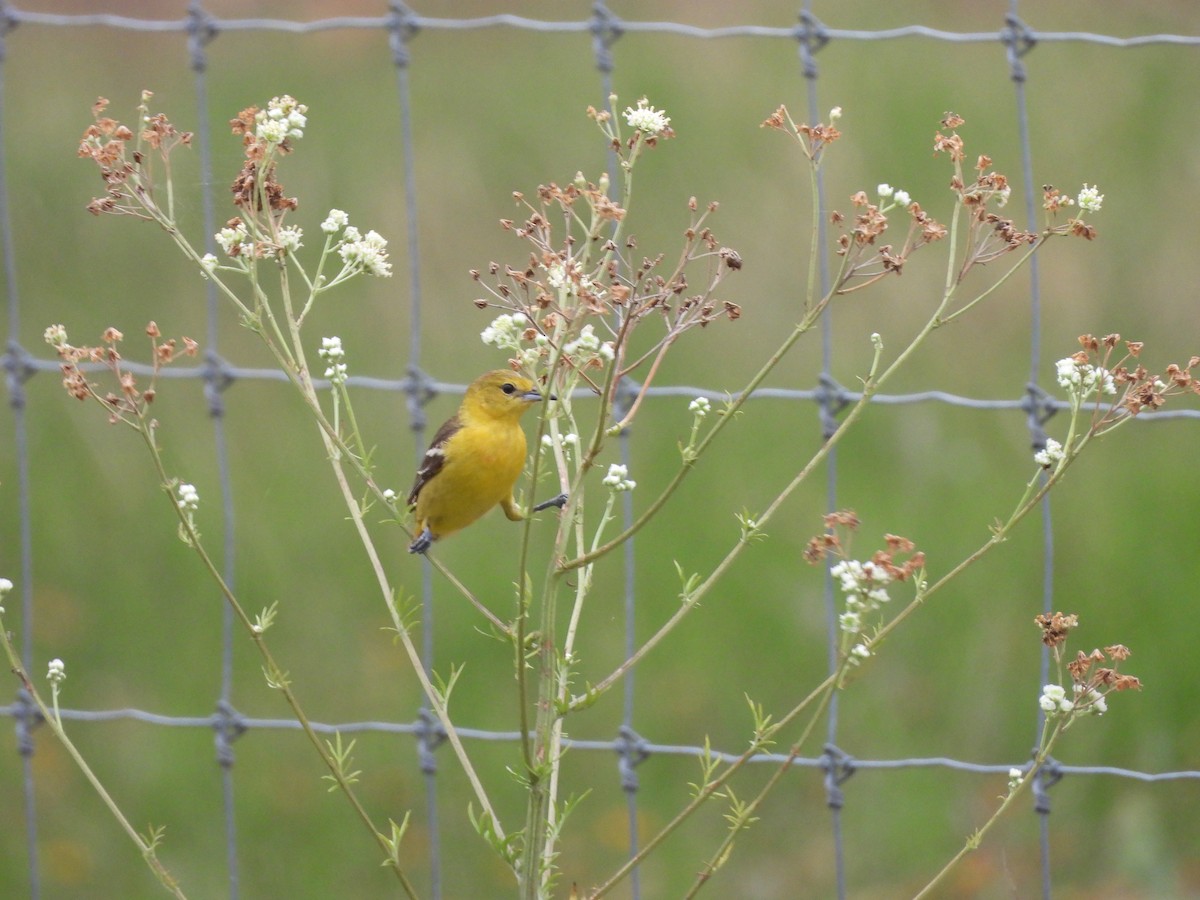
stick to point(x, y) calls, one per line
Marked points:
point(423, 542)
point(560, 501)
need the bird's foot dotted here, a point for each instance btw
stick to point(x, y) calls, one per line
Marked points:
point(560, 501)
point(422, 543)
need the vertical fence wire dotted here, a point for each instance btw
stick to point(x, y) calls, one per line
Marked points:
point(402, 25)
point(227, 725)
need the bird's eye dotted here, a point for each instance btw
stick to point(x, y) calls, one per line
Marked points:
point(508, 387)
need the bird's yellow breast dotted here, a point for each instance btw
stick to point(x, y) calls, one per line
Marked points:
point(482, 463)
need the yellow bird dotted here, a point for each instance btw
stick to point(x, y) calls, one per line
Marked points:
point(475, 459)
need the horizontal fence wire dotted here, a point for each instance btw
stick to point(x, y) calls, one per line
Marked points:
point(403, 24)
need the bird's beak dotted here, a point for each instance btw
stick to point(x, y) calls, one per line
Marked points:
point(534, 396)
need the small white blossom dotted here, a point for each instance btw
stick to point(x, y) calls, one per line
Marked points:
point(699, 407)
point(232, 239)
point(282, 119)
point(876, 340)
point(567, 441)
point(335, 221)
point(208, 262)
point(1014, 778)
point(1004, 193)
point(289, 238)
point(616, 478)
point(885, 190)
point(55, 335)
point(331, 351)
point(189, 497)
point(902, 198)
point(389, 495)
point(5, 587)
point(56, 671)
point(366, 253)
point(506, 331)
point(835, 114)
point(1090, 700)
point(1050, 455)
point(588, 345)
point(857, 654)
point(1090, 199)
point(331, 348)
point(850, 622)
point(1082, 379)
point(556, 276)
point(646, 118)
point(1054, 699)
point(272, 131)
point(862, 579)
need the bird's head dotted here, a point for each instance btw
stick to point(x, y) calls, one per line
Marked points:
point(502, 394)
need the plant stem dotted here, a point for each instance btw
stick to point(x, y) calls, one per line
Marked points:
point(53, 722)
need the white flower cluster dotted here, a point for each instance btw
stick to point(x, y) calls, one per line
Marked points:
point(331, 351)
point(506, 331)
point(55, 335)
point(289, 238)
point(1082, 379)
point(56, 671)
point(1088, 700)
point(1050, 456)
point(364, 253)
point(335, 221)
point(699, 407)
point(232, 239)
point(900, 197)
point(588, 346)
point(1054, 699)
point(189, 497)
point(1090, 199)
point(556, 276)
point(282, 119)
point(568, 442)
point(5, 587)
point(646, 118)
point(616, 479)
point(863, 583)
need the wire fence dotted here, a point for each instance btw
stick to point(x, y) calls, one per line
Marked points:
point(221, 377)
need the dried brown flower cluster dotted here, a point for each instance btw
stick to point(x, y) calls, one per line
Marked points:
point(560, 287)
point(866, 263)
point(1093, 675)
point(835, 540)
point(131, 401)
point(1090, 672)
point(1138, 389)
point(255, 188)
point(813, 138)
point(1055, 627)
point(989, 234)
point(1054, 200)
point(126, 172)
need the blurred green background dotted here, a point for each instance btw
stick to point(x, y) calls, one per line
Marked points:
point(501, 109)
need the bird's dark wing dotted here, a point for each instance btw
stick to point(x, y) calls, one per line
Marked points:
point(435, 457)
